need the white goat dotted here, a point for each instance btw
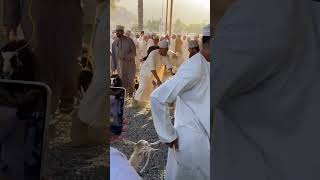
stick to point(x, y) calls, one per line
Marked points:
point(141, 149)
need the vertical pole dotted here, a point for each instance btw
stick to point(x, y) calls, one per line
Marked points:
point(167, 16)
point(161, 27)
point(140, 14)
point(171, 17)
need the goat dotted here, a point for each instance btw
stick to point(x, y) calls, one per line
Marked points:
point(141, 149)
point(116, 81)
point(17, 61)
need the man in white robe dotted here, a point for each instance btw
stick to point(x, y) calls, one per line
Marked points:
point(185, 52)
point(151, 48)
point(173, 43)
point(120, 167)
point(141, 36)
point(138, 56)
point(172, 50)
point(193, 48)
point(266, 90)
point(189, 137)
point(113, 37)
point(178, 50)
point(152, 72)
point(143, 47)
point(150, 41)
point(128, 34)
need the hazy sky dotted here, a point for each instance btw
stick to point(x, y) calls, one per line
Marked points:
point(189, 11)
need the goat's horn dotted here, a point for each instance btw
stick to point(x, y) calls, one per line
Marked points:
point(130, 142)
point(155, 143)
point(152, 149)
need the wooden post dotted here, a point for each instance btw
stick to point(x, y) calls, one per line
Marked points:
point(171, 17)
point(140, 14)
point(167, 17)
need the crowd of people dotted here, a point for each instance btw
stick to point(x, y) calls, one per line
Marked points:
point(149, 59)
point(172, 72)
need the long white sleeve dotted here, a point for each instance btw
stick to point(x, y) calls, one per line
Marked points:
point(168, 92)
point(120, 167)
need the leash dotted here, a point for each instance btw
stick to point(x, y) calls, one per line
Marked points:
point(33, 27)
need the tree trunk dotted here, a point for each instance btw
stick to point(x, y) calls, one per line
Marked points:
point(140, 15)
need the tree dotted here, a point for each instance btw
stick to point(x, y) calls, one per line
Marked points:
point(113, 3)
point(135, 28)
point(179, 26)
point(195, 28)
point(153, 25)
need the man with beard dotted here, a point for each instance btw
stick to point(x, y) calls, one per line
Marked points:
point(193, 48)
point(189, 138)
point(123, 59)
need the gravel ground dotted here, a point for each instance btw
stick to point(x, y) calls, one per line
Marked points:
point(141, 127)
point(65, 162)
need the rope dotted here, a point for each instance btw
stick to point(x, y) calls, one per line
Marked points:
point(99, 10)
point(32, 33)
point(147, 162)
point(33, 27)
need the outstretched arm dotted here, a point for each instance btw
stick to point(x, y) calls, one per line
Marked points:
point(167, 93)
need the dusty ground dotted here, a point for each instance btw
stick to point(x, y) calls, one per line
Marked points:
point(141, 127)
point(66, 162)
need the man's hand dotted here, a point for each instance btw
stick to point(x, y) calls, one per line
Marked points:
point(174, 144)
point(171, 72)
point(175, 56)
point(141, 60)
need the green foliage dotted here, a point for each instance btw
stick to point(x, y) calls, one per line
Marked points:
point(153, 25)
point(195, 28)
point(180, 27)
point(135, 28)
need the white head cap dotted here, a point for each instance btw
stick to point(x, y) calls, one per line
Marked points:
point(128, 32)
point(164, 44)
point(206, 30)
point(193, 44)
point(120, 28)
point(155, 37)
